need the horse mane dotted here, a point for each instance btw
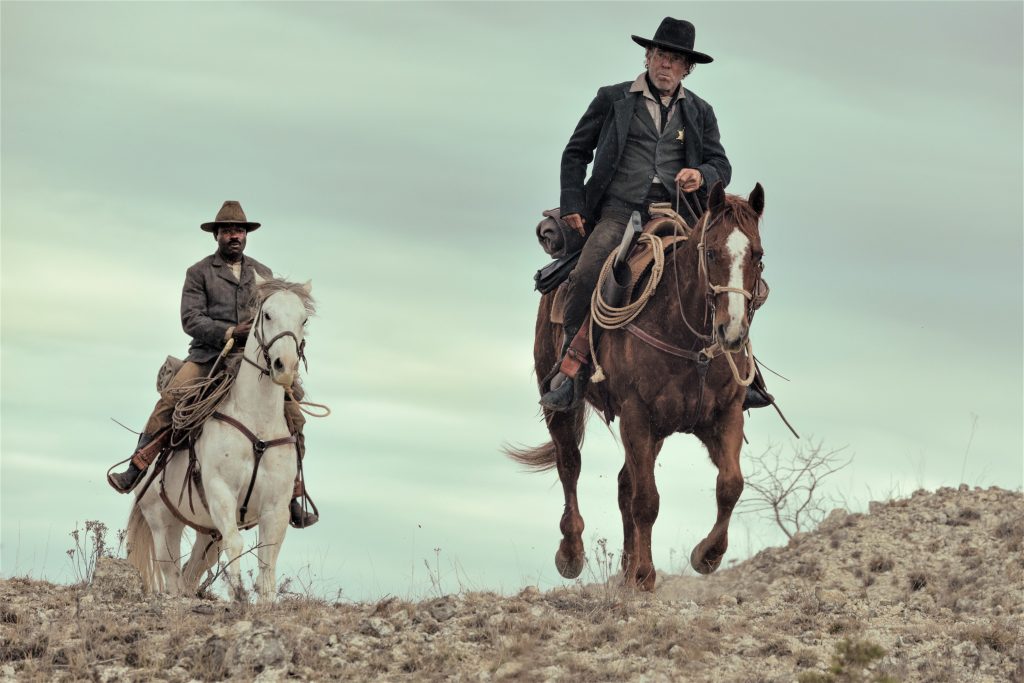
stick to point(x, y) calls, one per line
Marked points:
point(740, 208)
point(274, 285)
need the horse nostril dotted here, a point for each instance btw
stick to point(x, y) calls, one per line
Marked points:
point(278, 365)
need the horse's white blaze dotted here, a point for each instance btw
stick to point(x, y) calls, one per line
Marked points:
point(738, 245)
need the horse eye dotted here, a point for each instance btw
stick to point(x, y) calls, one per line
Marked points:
point(266, 316)
point(710, 254)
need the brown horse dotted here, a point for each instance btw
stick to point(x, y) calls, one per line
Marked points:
point(702, 304)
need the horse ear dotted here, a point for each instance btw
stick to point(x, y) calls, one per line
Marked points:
point(308, 286)
point(756, 199)
point(716, 198)
point(258, 279)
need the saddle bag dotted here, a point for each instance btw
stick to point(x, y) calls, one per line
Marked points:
point(554, 273)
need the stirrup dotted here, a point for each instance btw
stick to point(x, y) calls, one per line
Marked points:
point(757, 398)
point(299, 518)
point(124, 482)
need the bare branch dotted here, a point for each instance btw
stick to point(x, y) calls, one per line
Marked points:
point(790, 491)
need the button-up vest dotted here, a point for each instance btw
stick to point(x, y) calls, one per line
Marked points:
point(647, 154)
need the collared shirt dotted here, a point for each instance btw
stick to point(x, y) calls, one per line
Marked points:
point(653, 103)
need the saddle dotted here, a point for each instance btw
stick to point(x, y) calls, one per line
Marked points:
point(628, 281)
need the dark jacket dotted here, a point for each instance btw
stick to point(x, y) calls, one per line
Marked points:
point(212, 300)
point(600, 136)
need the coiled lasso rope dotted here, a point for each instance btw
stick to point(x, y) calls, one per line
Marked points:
point(611, 317)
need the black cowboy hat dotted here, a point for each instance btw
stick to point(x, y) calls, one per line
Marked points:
point(230, 214)
point(675, 35)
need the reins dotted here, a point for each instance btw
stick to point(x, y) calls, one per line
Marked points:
point(611, 317)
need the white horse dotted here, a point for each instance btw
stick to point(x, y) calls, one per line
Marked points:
point(227, 460)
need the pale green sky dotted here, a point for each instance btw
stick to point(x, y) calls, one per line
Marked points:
point(399, 155)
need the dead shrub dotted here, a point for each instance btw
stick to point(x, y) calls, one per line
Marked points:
point(918, 580)
point(880, 564)
point(775, 648)
point(996, 637)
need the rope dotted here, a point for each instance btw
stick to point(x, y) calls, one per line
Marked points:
point(196, 401)
point(300, 404)
point(613, 317)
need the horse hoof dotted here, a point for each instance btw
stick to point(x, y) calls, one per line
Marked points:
point(569, 566)
point(702, 561)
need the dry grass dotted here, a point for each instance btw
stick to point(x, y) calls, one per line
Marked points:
point(877, 608)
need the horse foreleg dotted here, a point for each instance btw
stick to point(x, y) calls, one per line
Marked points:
point(205, 552)
point(563, 427)
point(641, 451)
point(626, 510)
point(273, 525)
point(724, 446)
point(222, 512)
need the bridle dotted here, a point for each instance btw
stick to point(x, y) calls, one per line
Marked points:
point(714, 290)
point(702, 357)
point(260, 334)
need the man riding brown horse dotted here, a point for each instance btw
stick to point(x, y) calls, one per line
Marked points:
point(214, 309)
point(646, 138)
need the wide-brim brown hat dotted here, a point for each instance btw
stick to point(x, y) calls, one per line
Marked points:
point(675, 35)
point(230, 214)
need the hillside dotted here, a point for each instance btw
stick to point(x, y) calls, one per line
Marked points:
point(928, 588)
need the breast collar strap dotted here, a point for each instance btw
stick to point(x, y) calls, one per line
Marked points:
point(259, 447)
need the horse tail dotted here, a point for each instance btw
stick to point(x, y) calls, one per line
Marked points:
point(544, 457)
point(141, 553)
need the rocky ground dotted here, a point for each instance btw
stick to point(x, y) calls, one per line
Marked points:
point(929, 588)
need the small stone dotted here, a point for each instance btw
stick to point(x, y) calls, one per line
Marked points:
point(376, 627)
point(529, 593)
point(241, 627)
point(258, 649)
point(115, 580)
point(508, 670)
point(442, 609)
point(829, 600)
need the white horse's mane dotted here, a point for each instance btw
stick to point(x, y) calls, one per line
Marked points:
point(270, 286)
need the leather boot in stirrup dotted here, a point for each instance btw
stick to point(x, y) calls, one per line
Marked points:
point(300, 518)
point(562, 397)
point(123, 482)
point(757, 398)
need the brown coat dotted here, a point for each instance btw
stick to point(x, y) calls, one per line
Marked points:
point(212, 300)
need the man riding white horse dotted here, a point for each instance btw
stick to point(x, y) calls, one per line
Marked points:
point(214, 309)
